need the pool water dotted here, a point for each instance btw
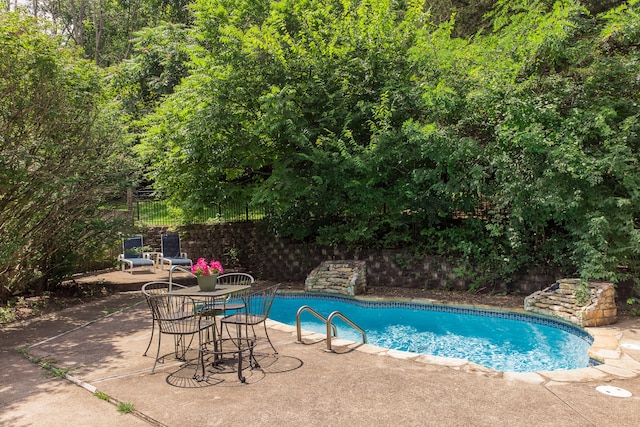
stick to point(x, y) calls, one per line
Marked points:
point(503, 341)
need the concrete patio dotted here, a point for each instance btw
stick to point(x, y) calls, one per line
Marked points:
point(101, 346)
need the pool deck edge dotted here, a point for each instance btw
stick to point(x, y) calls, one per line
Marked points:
point(615, 361)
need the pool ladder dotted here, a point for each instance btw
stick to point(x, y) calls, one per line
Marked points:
point(331, 328)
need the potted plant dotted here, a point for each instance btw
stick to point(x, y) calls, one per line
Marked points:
point(207, 273)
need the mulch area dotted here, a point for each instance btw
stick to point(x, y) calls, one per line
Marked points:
point(440, 296)
point(67, 295)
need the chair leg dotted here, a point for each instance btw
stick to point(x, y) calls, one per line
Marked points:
point(240, 376)
point(213, 337)
point(180, 348)
point(269, 339)
point(266, 335)
point(153, 324)
point(200, 363)
point(157, 354)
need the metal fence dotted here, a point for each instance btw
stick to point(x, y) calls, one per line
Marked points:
point(150, 211)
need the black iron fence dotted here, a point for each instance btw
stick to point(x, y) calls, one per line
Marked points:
point(148, 210)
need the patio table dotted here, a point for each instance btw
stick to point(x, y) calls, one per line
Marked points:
point(220, 291)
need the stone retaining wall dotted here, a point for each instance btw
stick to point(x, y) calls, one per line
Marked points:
point(247, 246)
point(346, 277)
point(583, 303)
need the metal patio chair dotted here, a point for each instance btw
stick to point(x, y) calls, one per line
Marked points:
point(157, 288)
point(178, 316)
point(221, 305)
point(234, 279)
point(257, 304)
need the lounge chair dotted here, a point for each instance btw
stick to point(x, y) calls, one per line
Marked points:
point(133, 254)
point(171, 253)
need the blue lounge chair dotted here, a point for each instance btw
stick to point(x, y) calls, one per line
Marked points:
point(171, 253)
point(133, 254)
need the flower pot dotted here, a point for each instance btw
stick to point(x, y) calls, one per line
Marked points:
point(208, 283)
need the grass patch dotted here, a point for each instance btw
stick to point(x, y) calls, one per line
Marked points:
point(46, 364)
point(125, 407)
point(102, 396)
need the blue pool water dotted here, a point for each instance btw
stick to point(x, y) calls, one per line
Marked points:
point(499, 340)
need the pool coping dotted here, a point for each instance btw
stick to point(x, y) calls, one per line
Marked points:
point(619, 356)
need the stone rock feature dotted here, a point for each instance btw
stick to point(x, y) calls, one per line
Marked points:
point(583, 303)
point(346, 277)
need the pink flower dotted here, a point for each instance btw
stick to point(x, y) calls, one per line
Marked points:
point(201, 268)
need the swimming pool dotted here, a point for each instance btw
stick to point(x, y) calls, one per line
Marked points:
point(499, 340)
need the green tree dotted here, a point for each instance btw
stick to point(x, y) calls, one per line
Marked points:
point(365, 123)
point(104, 29)
point(553, 99)
point(158, 65)
point(61, 157)
point(302, 119)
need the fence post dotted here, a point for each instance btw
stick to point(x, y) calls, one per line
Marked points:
point(129, 199)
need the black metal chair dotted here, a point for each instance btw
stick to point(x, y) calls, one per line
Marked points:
point(233, 279)
point(236, 279)
point(257, 304)
point(179, 316)
point(157, 288)
point(225, 305)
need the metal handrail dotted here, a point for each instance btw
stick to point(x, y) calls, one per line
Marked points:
point(176, 267)
point(348, 321)
point(315, 313)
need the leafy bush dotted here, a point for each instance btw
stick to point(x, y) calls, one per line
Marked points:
point(61, 154)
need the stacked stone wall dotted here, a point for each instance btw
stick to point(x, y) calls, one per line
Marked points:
point(583, 303)
point(346, 277)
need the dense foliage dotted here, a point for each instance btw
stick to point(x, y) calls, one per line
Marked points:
point(367, 123)
point(502, 133)
point(61, 157)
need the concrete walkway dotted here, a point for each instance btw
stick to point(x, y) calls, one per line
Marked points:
point(99, 346)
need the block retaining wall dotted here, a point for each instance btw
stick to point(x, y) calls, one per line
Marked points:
point(245, 246)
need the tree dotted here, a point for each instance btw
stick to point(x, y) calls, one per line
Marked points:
point(104, 29)
point(301, 119)
point(552, 98)
point(62, 156)
point(364, 123)
point(158, 65)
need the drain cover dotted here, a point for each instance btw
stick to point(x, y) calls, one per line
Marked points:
point(613, 391)
point(630, 346)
